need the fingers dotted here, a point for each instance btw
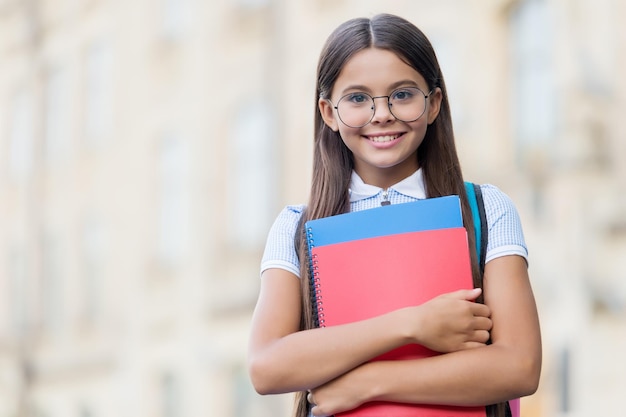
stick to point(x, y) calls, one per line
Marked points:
point(480, 310)
point(479, 338)
point(455, 322)
point(482, 323)
point(464, 294)
point(477, 309)
point(481, 330)
point(472, 345)
point(479, 335)
point(467, 295)
point(473, 294)
point(315, 411)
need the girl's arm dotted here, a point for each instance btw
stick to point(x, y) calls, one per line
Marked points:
point(284, 359)
point(508, 368)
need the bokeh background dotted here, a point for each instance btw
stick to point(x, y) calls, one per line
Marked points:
point(146, 147)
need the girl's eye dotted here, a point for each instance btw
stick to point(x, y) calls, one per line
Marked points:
point(358, 98)
point(404, 94)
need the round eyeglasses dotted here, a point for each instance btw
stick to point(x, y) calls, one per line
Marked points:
point(406, 104)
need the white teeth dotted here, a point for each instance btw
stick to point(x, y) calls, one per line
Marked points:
point(383, 138)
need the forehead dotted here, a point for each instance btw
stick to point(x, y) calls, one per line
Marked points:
point(377, 70)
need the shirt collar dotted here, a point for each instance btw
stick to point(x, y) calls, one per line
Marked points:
point(412, 186)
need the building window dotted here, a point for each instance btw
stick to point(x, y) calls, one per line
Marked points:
point(99, 93)
point(253, 4)
point(175, 199)
point(18, 299)
point(94, 246)
point(534, 95)
point(170, 395)
point(21, 137)
point(243, 394)
point(450, 62)
point(85, 412)
point(253, 169)
point(597, 43)
point(57, 133)
point(51, 283)
point(176, 18)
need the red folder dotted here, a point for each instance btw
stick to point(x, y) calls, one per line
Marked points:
point(363, 278)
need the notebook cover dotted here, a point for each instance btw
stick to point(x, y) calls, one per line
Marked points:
point(428, 214)
point(365, 278)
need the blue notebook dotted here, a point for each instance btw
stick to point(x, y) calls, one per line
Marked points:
point(420, 215)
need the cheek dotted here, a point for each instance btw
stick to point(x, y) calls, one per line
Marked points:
point(347, 133)
point(350, 137)
point(420, 126)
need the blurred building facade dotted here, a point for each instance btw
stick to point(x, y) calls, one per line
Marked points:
point(146, 147)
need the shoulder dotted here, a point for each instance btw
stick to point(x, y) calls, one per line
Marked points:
point(496, 200)
point(280, 249)
point(506, 236)
point(290, 214)
point(287, 221)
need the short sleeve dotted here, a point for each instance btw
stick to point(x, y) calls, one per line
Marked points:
point(280, 251)
point(506, 236)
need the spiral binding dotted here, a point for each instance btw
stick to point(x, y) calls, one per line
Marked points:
point(316, 295)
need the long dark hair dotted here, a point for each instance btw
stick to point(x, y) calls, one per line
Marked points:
point(333, 161)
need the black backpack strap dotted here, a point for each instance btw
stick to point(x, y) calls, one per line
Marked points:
point(484, 231)
point(475, 198)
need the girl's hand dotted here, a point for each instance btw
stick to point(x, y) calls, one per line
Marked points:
point(452, 322)
point(340, 394)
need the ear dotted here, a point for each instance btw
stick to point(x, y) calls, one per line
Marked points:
point(328, 114)
point(434, 104)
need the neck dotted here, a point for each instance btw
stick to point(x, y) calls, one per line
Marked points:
point(385, 178)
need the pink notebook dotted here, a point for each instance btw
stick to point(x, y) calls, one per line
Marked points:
point(363, 278)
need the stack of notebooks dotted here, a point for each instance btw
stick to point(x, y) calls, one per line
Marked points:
point(370, 262)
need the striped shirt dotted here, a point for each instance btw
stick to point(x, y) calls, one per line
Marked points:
point(505, 235)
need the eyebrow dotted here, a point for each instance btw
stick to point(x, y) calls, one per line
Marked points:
point(392, 87)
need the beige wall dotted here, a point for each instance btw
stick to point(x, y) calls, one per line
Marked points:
point(130, 234)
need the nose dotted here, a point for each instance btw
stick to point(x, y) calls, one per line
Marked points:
point(382, 111)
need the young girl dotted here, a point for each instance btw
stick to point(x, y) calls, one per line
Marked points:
point(383, 133)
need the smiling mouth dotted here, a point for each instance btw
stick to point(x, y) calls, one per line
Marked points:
point(382, 139)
